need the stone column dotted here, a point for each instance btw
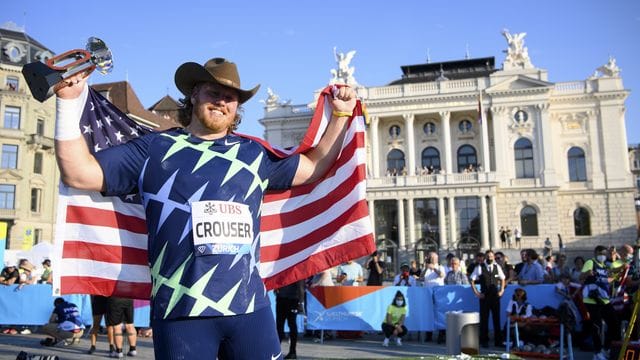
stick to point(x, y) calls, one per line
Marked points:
point(412, 224)
point(453, 233)
point(445, 117)
point(545, 142)
point(500, 138)
point(375, 147)
point(401, 225)
point(411, 149)
point(442, 223)
point(484, 127)
point(493, 207)
point(593, 152)
point(484, 226)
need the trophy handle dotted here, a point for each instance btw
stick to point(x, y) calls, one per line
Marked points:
point(81, 57)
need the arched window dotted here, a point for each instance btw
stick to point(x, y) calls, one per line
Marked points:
point(577, 168)
point(523, 151)
point(529, 221)
point(431, 158)
point(582, 222)
point(395, 161)
point(466, 158)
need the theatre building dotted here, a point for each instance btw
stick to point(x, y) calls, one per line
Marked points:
point(458, 150)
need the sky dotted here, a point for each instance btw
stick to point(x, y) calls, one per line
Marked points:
point(288, 45)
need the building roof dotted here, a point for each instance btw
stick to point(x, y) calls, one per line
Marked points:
point(451, 70)
point(167, 103)
point(20, 49)
point(121, 94)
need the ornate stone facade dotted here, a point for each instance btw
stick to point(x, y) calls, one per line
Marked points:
point(452, 161)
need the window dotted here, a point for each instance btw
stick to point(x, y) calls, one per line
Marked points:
point(40, 127)
point(37, 163)
point(529, 221)
point(577, 168)
point(394, 131)
point(582, 222)
point(7, 196)
point(468, 217)
point(465, 126)
point(395, 161)
point(36, 195)
point(9, 157)
point(429, 128)
point(11, 117)
point(431, 158)
point(467, 158)
point(523, 151)
point(12, 83)
point(37, 236)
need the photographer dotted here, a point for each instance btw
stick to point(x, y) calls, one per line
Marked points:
point(404, 278)
point(376, 270)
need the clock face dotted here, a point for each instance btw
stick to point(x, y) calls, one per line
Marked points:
point(521, 116)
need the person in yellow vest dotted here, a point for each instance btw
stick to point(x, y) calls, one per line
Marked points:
point(394, 320)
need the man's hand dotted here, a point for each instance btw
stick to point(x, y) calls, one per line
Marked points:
point(344, 99)
point(72, 87)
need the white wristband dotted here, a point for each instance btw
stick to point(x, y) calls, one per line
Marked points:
point(68, 113)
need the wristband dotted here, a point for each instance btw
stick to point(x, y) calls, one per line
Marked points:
point(68, 113)
point(341, 113)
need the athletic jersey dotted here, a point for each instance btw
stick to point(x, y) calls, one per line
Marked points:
point(202, 200)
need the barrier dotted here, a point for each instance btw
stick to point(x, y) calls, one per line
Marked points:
point(328, 308)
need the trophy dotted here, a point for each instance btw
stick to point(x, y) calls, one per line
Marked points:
point(44, 78)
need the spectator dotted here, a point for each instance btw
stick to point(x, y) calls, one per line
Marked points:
point(518, 305)
point(492, 284)
point(10, 275)
point(394, 320)
point(120, 310)
point(46, 277)
point(523, 260)
point(595, 294)
point(322, 279)
point(404, 278)
point(289, 303)
point(415, 270)
point(98, 311)
point(64, 324)
point(532, 272)
point(625, 284)
point(517, 234)
point(350, 274)
point(26, 272)
point(559, 269)
point(576, 270)
point(447, 263)
point(478, 260)
point(433, 276)
point(376, 270)
point(455, 276)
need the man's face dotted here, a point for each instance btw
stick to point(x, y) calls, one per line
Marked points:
point(523, 256)
point(490, 256)
point(455, 264)
point(214, 107)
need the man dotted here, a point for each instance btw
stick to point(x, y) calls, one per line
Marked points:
point(531, 272)
point(193, 181)
point(492, 284)
point(9, 275)
point(595, 295)
point(289, 303)
point(64, 324)
point(376, 270)
point(119, 311)
point(477, 261)
point(433, 276)
point(404, 278)
point(455, 276)
point(350, 274)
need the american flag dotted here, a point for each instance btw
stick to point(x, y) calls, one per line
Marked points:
point(101, 242)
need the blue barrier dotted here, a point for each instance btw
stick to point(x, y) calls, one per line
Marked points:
point(363, 309)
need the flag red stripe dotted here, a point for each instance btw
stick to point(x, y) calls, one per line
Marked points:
point(104, 253)
point(315, 263)
point(107, 287)
point(108, 218)
point(312, 209)
point(347, 153)
point(274, 252)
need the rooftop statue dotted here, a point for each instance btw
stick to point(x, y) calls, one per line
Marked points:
point(344, 73)
point(610, 69)
point(517, 53)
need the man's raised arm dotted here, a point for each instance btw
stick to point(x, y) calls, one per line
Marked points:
point(78, 167)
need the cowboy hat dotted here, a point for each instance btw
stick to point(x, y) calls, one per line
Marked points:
point(26, 265)
point(216, 70)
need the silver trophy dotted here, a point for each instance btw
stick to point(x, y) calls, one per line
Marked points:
point(44, 78)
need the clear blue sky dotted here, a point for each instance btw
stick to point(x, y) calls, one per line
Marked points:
point(288, 45)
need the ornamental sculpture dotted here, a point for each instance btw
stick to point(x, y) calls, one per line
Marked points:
point(517, 53)
point(610, 69)
point(344, 73)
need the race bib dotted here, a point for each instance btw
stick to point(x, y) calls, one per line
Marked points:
point(221, 227)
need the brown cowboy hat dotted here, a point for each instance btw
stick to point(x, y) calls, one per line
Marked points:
point(216, 70)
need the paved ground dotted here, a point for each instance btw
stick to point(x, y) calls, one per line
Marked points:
point(369, 347)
